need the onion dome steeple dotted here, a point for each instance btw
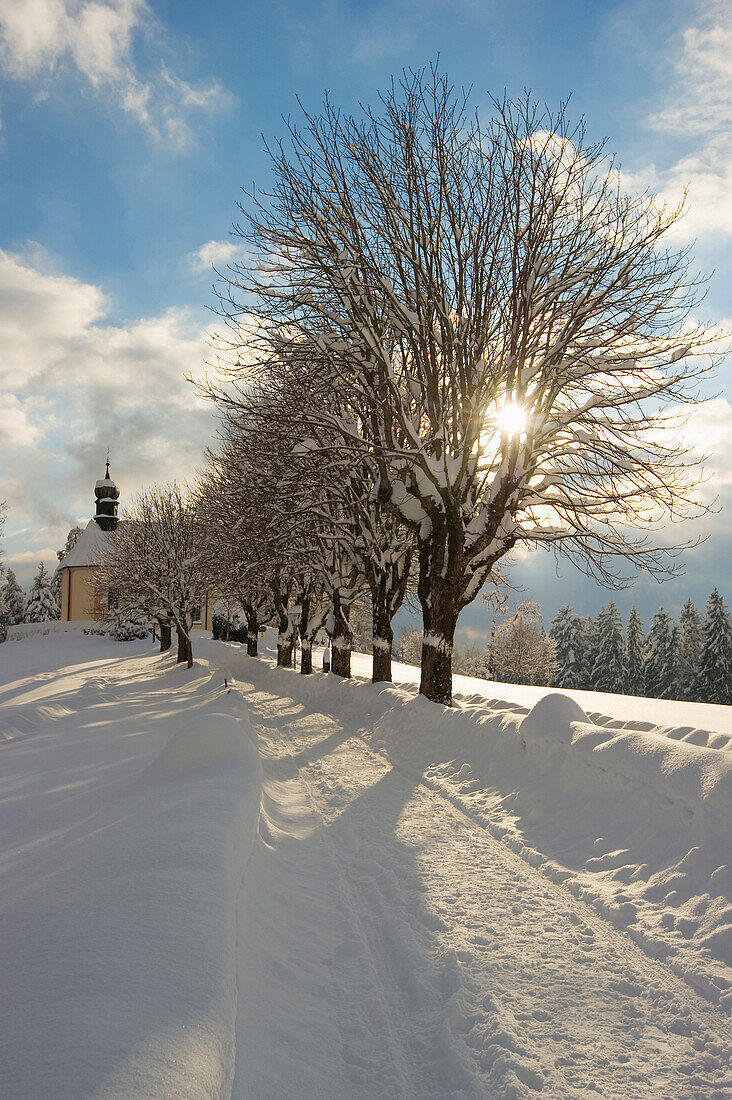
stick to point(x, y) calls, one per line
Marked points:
point(107, 496)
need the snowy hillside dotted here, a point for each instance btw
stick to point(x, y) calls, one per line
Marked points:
point(318, 888)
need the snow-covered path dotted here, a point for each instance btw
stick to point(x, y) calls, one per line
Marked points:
point(389, 945)
point(318, 888)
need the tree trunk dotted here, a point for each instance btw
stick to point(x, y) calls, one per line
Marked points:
point(182, 654)
point(439, 595)
point(285, 623)
point(165, 636)
point(306, 650)
point(342, 639)
point(382, 641)
point(436, 674)
point(285, 640)
point(189, 652)
point(252, 630)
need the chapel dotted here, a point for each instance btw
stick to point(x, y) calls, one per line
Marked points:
point(81, 599)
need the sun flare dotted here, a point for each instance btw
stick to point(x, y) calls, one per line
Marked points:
point(511, 419)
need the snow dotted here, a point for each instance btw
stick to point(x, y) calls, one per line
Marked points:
point(88, 548)
point(128, 808)
point(53, 626)
point(237, 881)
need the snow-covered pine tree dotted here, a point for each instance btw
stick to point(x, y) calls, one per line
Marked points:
point(589, 648)
point(634, 659)
point(14, 598)
point(4, 612)
point(608, 669)
point(42, 605)
point(673, 661)
point(71, 540)
point(690, 642)
point(715, 659)
point(130, 625)
point(660, 663)
point(567, 631)
point(238, 627)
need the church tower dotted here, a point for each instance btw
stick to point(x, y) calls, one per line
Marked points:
point(106, 496)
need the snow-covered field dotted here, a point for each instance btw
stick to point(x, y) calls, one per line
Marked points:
point(306, 887)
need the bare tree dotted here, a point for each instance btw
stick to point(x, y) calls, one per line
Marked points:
point(504, 322)
point(321, 497)
point(521, 651)
point(156, 561)
point(257, 542)
point(236, 548)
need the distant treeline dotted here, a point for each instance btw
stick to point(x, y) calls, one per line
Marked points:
point(686, 659)
point(689, 659)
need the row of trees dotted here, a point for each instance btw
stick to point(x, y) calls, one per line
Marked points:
point(688, 659)
point(454, 339)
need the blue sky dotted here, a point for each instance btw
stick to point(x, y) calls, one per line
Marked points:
point(128, 129)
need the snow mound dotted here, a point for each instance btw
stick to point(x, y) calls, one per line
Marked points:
point(21, 631)
point(135, 805)
point(552, 717)
point(681, 769)
point(221, 741)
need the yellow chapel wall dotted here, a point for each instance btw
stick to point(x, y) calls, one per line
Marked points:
point(64, 595)
point(80, 580)
point(206, 620)
point(84, 604)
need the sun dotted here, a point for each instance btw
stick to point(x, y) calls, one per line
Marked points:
point(511, 419)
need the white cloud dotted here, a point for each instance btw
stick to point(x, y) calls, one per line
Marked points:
point(95, 38)
point(26, 563)
point(702, 92)
point(16, 426)
point(709, 431)
point(40, 34)
point(72, 384)
point(215, 254)
point(699, 110)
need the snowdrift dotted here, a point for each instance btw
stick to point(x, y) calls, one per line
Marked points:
point(637, 821)
point(32, 630)
point(130, 806)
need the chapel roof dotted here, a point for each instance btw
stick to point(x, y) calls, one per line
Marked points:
point(88, 548)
